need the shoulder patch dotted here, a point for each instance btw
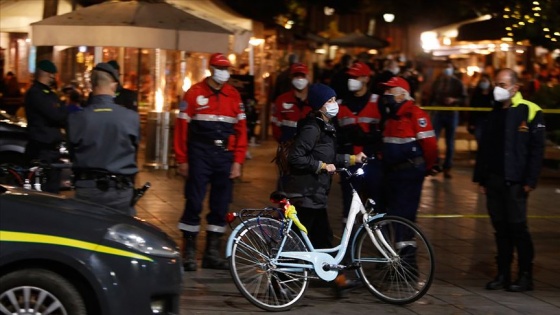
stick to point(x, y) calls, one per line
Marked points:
point(422, 122)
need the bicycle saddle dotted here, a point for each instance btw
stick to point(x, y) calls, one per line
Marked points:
point(278, 196)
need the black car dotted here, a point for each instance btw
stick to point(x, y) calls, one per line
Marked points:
point(60, 255)
point(13, 138)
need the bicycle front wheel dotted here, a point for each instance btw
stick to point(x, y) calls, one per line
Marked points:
point(400, 269)
point(270, 286)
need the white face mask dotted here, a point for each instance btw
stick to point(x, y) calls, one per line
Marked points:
point(300, 83)
point(354, 85)
point(396, 70)
point(220, 76)
point(501, 94)
point(484, 85)
point(332, 109)
point(448, 72)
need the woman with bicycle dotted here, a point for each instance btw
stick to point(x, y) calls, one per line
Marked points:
point(312, 160)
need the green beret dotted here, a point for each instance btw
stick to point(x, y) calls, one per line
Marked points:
point(47, 66)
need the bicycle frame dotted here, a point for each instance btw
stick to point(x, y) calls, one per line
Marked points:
point(325, 265)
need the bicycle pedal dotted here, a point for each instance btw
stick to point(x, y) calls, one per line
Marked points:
point(353, 266)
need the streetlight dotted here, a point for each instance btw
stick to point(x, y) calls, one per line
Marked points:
point(388, 17)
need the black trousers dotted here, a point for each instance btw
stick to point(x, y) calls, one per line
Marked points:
point(317, 223)
point(45, 153)
point(507, 207)
point(118, 199)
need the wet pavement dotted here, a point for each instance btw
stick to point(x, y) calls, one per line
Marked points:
point(452, 214)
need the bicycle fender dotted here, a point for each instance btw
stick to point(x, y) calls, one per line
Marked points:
point(361, 227)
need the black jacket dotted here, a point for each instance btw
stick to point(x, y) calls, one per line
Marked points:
point(45, 116)
point(524, 143)
point(314, 143)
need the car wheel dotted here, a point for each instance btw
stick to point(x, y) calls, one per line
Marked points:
point(39, 291)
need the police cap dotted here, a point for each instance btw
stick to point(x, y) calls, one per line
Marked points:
point(47, 66)
point(114, 64)
point(105, 67)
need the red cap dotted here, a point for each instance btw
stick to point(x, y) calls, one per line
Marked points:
point(299, 68)
point(359, 69)
point(397, 82)
point(219, 60)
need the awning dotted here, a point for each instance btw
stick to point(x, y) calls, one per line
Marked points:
point(16, 15)
point(493, 29)
point(219, 13)
point(138, 24)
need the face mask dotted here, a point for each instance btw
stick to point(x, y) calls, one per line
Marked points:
point(396, 70)
point(449, 72)
point(220, 76)
point(484, 85)
point(354, 85)
point(300, 83)
point(388, 105)
point(332, 109)
point(501, 94)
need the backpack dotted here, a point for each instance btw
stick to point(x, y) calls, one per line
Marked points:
point(283, 151)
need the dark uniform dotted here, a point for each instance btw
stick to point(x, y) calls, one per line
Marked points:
point(45, 119)
point(127, 98)
point(103, 140)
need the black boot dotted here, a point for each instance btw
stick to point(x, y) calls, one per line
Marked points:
point(189, 257)
point(500, 282)
point(212, 259)
point(522, 284)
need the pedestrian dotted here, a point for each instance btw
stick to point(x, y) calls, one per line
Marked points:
point(447, 91)
point(507, 167)
point(103, 140)
point(339, 79)
point(73, 99)
point(210, 147)
point(125, 97)
point(409, 154)
point(283, 82)
point(358, 130)
point(45, 121)
point(312, 161)
point(287, 110)
point(481, 97)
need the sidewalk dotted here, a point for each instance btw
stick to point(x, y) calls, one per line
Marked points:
point(452, 214)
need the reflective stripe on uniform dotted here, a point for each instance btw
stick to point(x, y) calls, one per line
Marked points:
point(8, 236)
point(367, 120)
point(398, 140)
point(241, 116)
point(345, 121)
point(218, 118)
point(426, 134)
point(189, 228)
point(289, 123)
point(215, 229)
point(183, 115)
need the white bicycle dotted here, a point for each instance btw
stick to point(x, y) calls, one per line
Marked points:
point(271, 265)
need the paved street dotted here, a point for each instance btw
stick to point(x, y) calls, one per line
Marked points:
point(452, 214)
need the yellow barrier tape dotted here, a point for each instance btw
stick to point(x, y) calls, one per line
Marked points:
point(291, 213)
point(479, 109)
point(478, 216)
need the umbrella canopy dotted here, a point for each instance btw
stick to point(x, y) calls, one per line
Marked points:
point(359, 40)
point(140, 24)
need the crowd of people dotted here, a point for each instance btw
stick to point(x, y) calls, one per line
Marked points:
point(364, 112)
point(351, 116)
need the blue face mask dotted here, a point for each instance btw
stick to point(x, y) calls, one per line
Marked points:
point(484, 85)
point(448, 72)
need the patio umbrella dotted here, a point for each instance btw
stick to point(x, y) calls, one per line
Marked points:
point(359, 40)
point(137, 24)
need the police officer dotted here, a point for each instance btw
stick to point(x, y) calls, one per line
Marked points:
point(358, 131)
point(210, 146)
point(409, 154)
point(45, 119)
point(103, 140)
point(125, 97)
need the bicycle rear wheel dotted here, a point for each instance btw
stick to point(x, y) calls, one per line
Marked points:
point(403, 276)
point(269, 286)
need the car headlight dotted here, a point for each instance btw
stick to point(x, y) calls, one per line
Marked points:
point(141, 240)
